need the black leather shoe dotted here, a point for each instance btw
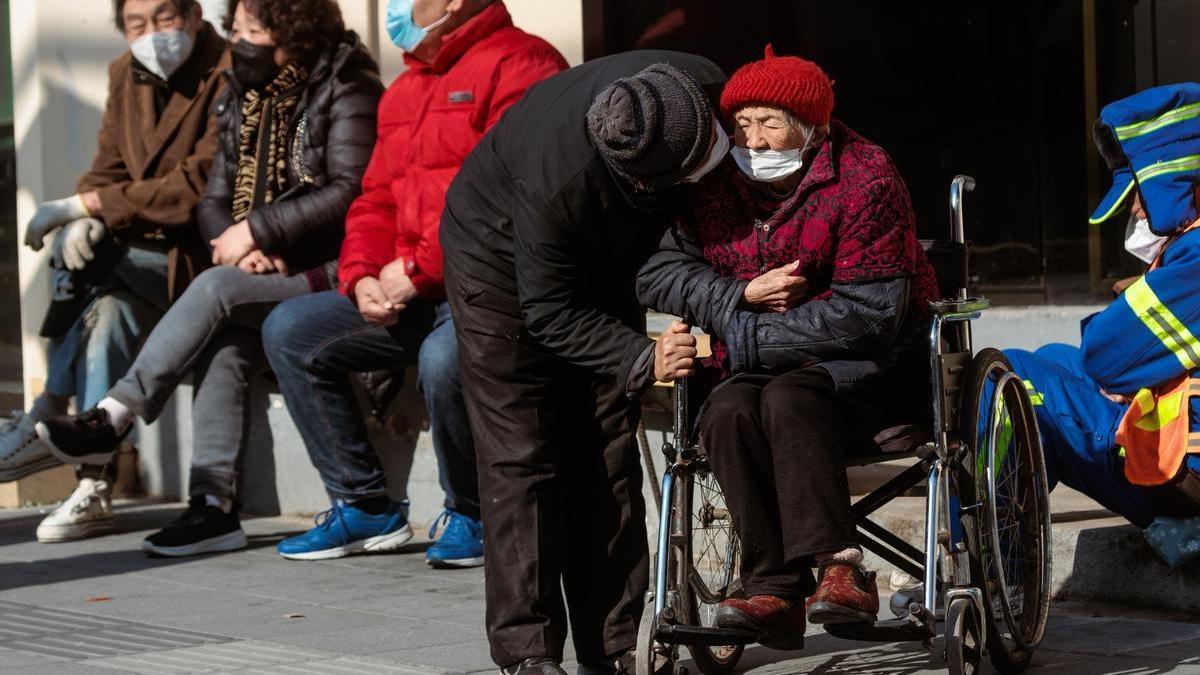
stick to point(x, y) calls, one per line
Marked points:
point(538, 665)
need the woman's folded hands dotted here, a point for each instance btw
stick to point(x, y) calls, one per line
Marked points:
point(776, 290)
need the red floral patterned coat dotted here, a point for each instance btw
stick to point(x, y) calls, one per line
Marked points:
point(850, 224)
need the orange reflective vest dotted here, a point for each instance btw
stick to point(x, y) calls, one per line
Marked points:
point(1155, 432)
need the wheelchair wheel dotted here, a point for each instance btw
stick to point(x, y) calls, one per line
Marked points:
point(713, 574)
point(651, 657)
point(1005, 510)
point(964, 648)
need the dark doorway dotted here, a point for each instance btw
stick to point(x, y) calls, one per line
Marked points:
point(1005, 92)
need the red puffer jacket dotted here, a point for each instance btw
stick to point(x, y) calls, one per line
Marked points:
point(429, 121)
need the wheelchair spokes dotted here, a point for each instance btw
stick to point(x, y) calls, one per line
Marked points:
point(1008, 528)
point(713, 573)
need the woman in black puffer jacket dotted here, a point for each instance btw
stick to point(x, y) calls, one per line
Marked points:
point(297, 126)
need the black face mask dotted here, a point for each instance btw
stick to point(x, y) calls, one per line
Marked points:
point(253, 65)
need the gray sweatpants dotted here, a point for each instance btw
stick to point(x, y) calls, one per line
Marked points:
point(212, 331)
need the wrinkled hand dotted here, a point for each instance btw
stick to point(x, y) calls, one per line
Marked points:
point(79, 239)
point(373, 303)
point(233, 245)
point(50, 216)
point(776, 290)
point(397, 284)
point(675, 353)
point(257, 262)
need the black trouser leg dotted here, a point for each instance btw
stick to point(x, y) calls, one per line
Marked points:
point(559, 489)
point(808, 426)
point(605, 556)
point(777, 445)
point(740, 456)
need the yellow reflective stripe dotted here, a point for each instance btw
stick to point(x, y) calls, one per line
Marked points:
point(1170, 117)
point(1161, 412)
point(1169, 330)
point(1189, 163)
point(1035, 397)
point(1115, 206)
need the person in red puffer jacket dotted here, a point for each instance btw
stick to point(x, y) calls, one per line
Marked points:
point(800, 257)
point(467, 64)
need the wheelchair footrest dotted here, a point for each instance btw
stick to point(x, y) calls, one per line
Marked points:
point(708, 637)
point(892, 630)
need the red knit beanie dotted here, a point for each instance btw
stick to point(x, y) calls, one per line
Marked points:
point(787, 82)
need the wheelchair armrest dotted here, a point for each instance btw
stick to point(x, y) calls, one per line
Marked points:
point(960, 310)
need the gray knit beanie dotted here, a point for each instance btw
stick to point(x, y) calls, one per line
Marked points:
point(654, 128)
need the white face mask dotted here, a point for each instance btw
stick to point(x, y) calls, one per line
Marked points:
point(771, 166)
point(1141, 242)
point(768, 166)
point(162, 52)
point(720, 148)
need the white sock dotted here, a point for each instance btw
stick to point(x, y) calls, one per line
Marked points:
point(118, 413)
point(222, 503)
point(850, 556)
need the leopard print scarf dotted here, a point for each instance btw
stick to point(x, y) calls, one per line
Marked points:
point(266, 117)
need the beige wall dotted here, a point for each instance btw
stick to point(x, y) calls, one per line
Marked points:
point(558, 21)
point(60, 53)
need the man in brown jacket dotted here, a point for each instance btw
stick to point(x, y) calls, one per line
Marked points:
point(126, 242)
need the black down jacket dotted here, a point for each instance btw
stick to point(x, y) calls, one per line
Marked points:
point(331, 138)
point(536, 218)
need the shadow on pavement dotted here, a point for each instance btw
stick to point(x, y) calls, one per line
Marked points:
point(125, 556)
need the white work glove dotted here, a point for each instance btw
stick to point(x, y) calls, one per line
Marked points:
point(52, 215)
point(78, 238)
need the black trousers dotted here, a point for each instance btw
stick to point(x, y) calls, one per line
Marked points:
point(560, 489)
point(777, 444)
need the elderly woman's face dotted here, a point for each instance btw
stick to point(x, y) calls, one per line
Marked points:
point(764, 128)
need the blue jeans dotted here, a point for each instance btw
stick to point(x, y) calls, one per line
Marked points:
point(314, 342)
point(1078, 425)
point(438, 379)
point(97, 350)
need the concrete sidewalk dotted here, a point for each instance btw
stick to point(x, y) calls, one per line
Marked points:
point(101, 606)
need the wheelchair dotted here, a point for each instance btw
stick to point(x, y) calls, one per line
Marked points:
point(986, 562)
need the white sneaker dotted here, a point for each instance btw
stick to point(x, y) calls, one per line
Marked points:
point(86, 513)
point(22, 453)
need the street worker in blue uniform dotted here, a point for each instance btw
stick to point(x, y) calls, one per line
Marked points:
point(1120, 415)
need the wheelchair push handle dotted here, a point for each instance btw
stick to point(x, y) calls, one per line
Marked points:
point(958, 187)
point(681, 400)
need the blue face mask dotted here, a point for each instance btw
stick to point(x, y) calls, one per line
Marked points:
point(400, 27)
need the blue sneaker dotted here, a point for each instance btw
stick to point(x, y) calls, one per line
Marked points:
point(461, 544)
point(345, 530)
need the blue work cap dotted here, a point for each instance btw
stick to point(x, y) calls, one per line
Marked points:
point(1151, 141)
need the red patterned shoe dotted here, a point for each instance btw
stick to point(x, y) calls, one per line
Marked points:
point(779, 623)
point(845, 594)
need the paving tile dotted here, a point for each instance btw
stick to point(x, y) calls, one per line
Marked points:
point(53, 669)
point(218, 658)
point(1111, 637)
point(11, 658)
point(462, 657)
point(387, 635)
point(394, 614)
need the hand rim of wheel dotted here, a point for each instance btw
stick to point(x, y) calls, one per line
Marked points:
point(1007, 379)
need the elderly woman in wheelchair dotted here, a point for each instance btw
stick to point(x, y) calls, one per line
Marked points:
point(801, 259)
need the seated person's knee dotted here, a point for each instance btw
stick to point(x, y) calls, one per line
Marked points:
point(437, 362)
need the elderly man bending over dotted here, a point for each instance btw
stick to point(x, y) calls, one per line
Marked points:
point(801, 259)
